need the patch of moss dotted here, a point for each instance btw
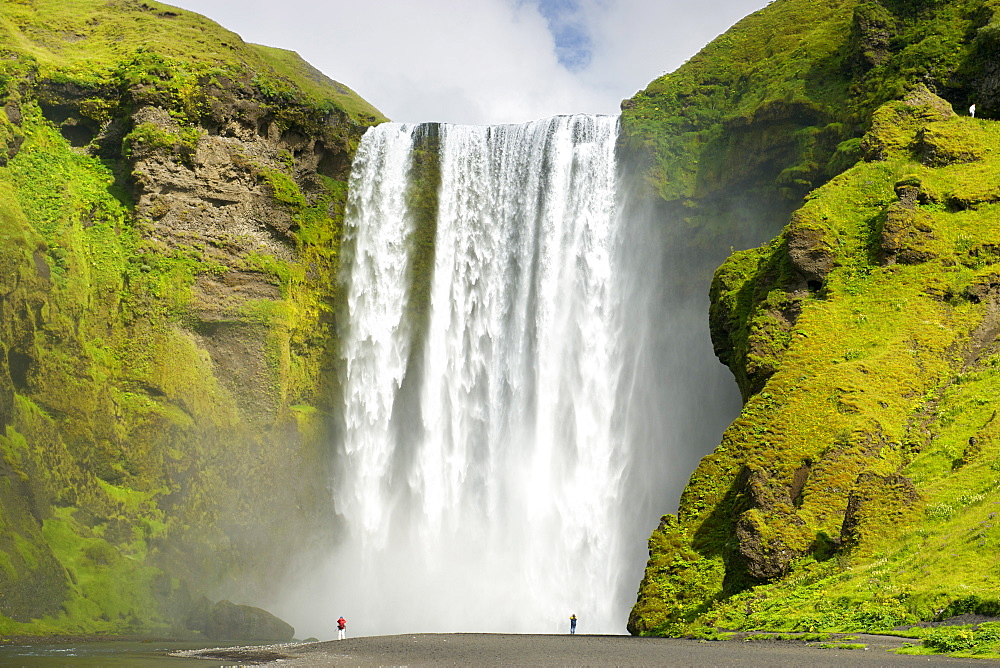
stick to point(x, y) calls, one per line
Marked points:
point(317, 85)
point(148, 136)
point(284, 189)
point(112, 588)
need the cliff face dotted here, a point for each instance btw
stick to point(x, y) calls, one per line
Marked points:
point(855, 491)
point(171, 213)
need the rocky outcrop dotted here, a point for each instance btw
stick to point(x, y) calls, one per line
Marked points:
point(227, 621)
point(769, 534)
point(898, 126)
point(810, 250)
point(876, 504)
point(872, 29)
point(907, 234)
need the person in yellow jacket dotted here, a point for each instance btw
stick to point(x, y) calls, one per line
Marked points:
point(572, 623)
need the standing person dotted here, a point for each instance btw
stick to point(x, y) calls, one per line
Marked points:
point(341, 629)
point(572, 623)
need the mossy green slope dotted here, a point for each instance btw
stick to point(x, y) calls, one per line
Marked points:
point(777, 105)
point(87, 42)
point(170, 212)
point(857, 489)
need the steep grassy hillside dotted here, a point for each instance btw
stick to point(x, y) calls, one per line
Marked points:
point(777, 105)
point(857, 489)
point(170, 217)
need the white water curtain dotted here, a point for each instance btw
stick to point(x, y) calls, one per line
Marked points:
point(506, 474)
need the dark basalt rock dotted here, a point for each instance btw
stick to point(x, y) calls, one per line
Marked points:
point(225, 620)
point(984, 288)
point(809, 251)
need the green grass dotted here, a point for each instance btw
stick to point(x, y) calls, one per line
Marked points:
point(776, 106)
point(982, 641)
point(94, 43)
point(881, 374)
point(317, 85)
point(132, 457)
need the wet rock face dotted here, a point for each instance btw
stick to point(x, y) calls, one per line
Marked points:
point(40, 589)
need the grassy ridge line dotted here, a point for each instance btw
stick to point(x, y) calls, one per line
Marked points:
point(776, 106)
point(85, 40)
point(317, 85)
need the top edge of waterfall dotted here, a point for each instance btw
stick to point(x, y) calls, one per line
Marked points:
point(410, 124)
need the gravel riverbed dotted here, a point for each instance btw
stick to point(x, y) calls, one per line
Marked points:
point(495, 649)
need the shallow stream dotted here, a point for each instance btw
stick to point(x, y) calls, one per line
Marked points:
point(101, 654)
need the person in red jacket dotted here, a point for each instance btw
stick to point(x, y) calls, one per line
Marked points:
point(341, 629)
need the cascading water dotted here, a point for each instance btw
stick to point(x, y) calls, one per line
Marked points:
point(504, 449)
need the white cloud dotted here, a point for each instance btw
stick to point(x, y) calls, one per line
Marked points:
point(481, 61)
point(636, 41)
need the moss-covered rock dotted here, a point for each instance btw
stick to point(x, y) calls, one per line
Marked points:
point(170, 208)
point(778, 104)
point(853, 492)
point(866, 435)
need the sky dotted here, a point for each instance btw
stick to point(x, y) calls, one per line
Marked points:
point(485, 61)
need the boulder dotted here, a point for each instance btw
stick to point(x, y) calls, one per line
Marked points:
point(769, 533)
point(810, 249)
point(907, 236)
point(225, 620)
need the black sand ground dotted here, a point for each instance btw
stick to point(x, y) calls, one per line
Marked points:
point(489, 649)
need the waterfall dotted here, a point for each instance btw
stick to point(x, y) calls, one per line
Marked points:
point(504, 453)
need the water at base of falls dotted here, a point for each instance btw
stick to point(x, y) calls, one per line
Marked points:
point(502, 460)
